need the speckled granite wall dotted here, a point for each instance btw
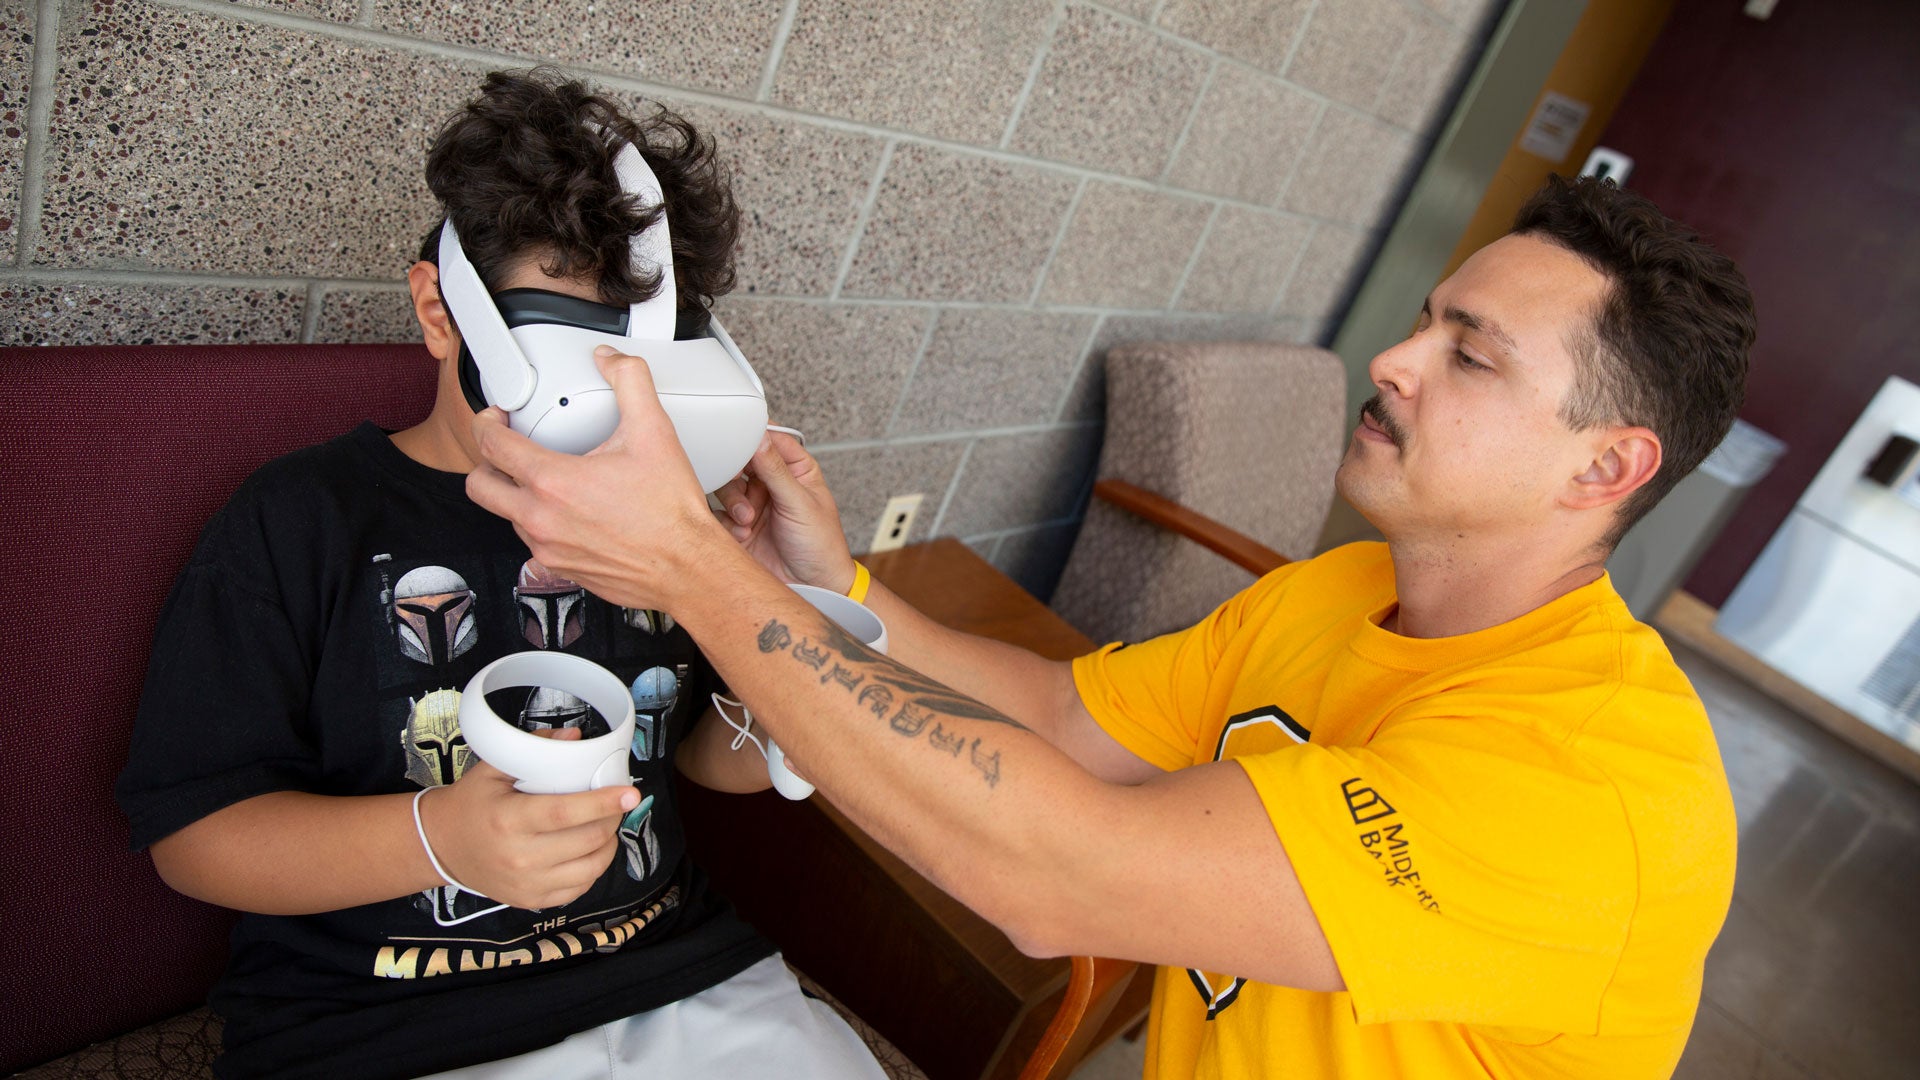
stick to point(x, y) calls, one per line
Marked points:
point(953, 208)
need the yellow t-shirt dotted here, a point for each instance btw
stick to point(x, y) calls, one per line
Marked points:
point(1519, 842)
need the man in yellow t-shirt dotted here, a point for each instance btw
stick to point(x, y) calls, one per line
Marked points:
point(1432, 808)
point(1534, 811)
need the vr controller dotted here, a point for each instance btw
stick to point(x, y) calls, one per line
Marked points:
point(550, 766)
point(856, 619)
point(540, 766)
point(530, 352)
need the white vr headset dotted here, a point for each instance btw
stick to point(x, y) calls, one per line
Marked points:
point(531, 353)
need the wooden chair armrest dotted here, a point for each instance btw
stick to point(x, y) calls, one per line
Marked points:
point(1093, 989)
point(1223, 540)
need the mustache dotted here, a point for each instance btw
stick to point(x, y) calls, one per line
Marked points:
point(1377, 409)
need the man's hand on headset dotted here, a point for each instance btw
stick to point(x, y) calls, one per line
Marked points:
point(627, 520)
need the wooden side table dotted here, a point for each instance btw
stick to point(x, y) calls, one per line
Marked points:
point(940, 982)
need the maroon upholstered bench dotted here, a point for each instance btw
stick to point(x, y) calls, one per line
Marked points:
point(111, 459)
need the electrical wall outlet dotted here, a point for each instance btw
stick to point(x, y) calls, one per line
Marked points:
point(896, 522)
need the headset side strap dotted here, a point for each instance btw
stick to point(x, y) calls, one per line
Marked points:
point(651, 320)
point(504, 371)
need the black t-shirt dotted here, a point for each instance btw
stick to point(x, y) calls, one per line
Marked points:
point(317, 641)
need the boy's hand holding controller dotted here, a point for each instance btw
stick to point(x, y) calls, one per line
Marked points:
point(527, 851)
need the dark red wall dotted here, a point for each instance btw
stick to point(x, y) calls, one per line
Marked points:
point(1794, 145)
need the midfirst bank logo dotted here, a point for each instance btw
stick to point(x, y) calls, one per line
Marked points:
point(1364, 803)
point(1388, 844)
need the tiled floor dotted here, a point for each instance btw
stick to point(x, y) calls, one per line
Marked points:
point(1817, 973)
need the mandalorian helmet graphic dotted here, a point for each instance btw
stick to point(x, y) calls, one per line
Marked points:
point(649, 621)
point(435, 612)
point(449, 905)
point(654, 692)
point(436, 751)
point(552, 609)
point(548, 709)
point(637, 840)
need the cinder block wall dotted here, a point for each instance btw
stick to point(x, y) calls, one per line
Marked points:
point(954, 208)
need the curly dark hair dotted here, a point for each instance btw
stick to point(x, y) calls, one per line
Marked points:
point(1668, 348)
point(521, 169)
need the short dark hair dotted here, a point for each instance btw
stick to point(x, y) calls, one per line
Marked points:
point(521, 168)
point(1668, 348)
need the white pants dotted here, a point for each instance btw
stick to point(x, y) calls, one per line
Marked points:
point(756, 1024)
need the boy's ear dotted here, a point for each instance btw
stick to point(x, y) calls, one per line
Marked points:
point(1623, 464)
point(436, 326)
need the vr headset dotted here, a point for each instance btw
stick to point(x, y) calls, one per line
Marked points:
point(530, 352)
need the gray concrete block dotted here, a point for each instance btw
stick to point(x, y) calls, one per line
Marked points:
point(953, 226)
point(800, 188)
point(1246, 138)
point(1244, 262)
point(862, 479)
point(1326, 272)
point(1025, 479)
point(953, 71)
point(356, 315)
point(1350, 47)
point(1354, 165)
point(833, 371)
point(1111, 95)
point(193, 143)
point(703, 44)
point(1259, 32)
point(97, 313)
point(987, 368)
point(16, 81)
point(1419, 89)
point(1126, 247)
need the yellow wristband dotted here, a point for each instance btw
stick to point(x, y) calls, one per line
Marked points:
point(861, 581)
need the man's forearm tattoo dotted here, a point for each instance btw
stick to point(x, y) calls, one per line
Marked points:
point(988, 764)
point(878, 699)
point(941, 739)
point(774, 637)
point(910, 720)
point(908, 701)
point(941, 698)
point(845, 676)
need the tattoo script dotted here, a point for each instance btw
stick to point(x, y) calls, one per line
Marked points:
point(912, 704)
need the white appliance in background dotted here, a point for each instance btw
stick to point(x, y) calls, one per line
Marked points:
point(1834, 600)
point(1662, 547)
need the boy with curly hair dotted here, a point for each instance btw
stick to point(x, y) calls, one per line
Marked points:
point(305, 681)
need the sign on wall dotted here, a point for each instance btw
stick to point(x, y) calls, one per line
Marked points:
point(1556, 123)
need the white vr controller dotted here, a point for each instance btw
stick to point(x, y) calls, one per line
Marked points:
point(540, 369)
point(856, 619)
point(550, 766)
point(543, 766)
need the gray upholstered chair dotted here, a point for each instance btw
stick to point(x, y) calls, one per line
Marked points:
point(1200, 436)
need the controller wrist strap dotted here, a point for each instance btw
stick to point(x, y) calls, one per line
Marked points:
point(743, 728)
point(421, 830)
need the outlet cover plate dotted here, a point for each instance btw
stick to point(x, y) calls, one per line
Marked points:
point(896, 522)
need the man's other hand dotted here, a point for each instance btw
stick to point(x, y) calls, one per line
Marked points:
point(781, 512)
